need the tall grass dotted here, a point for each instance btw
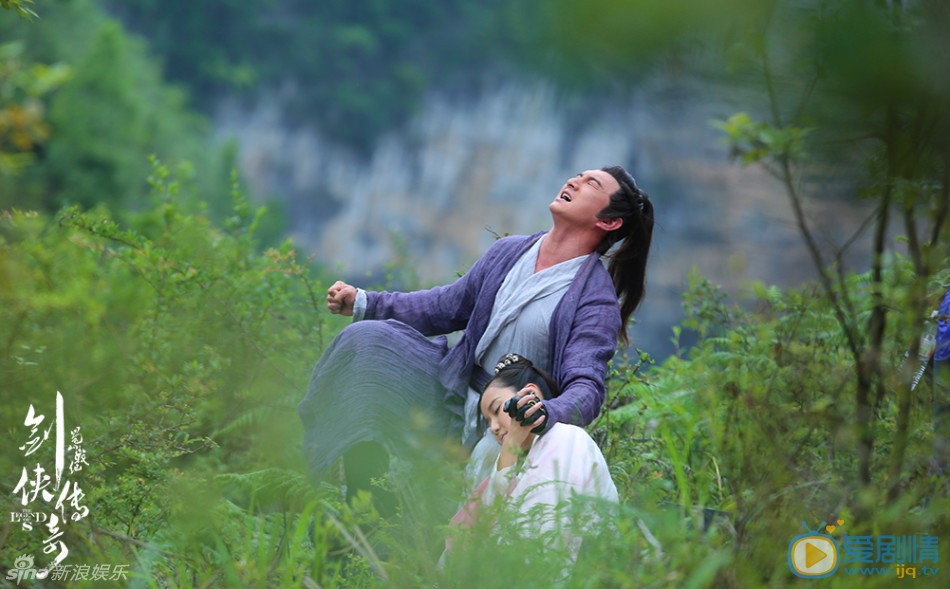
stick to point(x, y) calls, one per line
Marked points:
point(182, 351)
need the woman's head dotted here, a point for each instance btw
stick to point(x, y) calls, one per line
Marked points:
point(513, 375)
point(628, 262)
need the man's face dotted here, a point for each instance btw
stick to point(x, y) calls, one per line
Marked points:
point(583, 197)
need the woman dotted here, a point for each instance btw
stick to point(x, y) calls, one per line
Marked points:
point(547, 296)
point(539, 475)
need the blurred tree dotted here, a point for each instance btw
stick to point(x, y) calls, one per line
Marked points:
point(103, 124)
point(114, 112)
point(868, 81)
point(156, 331)
point(354, 70)
point(23, 126)
point(851, 89)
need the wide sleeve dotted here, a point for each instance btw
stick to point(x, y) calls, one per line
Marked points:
point(438, 310)
point(582, 368)
point(569, 464)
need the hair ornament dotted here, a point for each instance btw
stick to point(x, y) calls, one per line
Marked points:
point(507, 360)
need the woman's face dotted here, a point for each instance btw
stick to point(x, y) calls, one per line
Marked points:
point(493, 408)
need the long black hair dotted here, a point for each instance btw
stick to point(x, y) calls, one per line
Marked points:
point(517, 371)
point(628, 262)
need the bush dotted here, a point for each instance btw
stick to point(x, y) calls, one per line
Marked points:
point(182, 351)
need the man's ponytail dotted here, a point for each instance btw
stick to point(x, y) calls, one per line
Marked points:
point(627, 262)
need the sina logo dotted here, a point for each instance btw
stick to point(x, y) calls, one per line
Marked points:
point(22, 569)
point(815, 554)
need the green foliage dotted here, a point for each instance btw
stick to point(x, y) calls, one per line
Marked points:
point(355, 70)
point(180, 350)
point(610, 44)
point(103, 122)
point(23, 124)
point(109, 141)
point(759, 423)
point(19, 6)
point(752, 141)
point(878, 106)
point(802, 407)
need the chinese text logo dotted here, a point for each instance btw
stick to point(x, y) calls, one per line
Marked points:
point(48, 498)
point(817, 554)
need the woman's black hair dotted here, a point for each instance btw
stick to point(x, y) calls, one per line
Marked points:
point(628, 262)
point(517, 371)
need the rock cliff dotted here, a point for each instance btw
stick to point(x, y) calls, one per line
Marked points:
point(434, 194)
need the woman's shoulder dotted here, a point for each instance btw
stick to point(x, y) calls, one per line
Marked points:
point(570, 454)
point(568, 430)
point(567, 435)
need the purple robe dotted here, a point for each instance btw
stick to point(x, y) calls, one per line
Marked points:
point(375, 375)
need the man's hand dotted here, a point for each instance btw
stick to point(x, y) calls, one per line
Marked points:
point(515, 442)
point(529, 410)
point(340, 298)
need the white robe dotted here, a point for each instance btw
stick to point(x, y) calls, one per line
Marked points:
point(563, 463)
point(518, 324)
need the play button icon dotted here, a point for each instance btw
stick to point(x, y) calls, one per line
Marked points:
point(813, 556)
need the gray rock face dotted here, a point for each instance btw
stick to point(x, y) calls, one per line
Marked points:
point(434, 195)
